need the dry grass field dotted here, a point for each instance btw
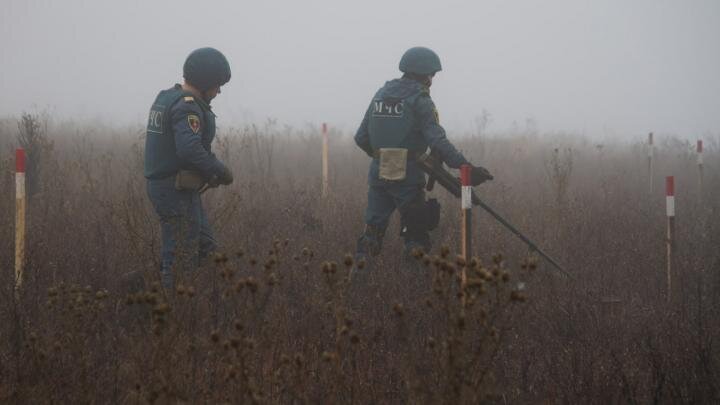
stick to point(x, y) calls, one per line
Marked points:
point(274, 319)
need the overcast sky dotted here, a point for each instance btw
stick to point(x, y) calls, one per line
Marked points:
point(600, 67)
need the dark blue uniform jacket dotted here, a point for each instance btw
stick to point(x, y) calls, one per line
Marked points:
point(402, 115)
point(180, 132)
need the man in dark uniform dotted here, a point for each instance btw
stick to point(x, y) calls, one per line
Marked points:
point(400, 124)
point(179, 161)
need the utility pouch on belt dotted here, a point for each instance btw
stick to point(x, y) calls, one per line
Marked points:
point(393, 163)
point(188, 180)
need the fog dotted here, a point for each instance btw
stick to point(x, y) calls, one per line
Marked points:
point(601, 68)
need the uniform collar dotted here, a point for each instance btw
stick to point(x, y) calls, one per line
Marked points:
point(202, 103)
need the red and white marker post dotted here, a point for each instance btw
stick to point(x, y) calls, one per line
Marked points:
point(650, 160)
point(466, 207)
point(325, 168)
point(700, 166)
point(20, 208)
point(670, 210)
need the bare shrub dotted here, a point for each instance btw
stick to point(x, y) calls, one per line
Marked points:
point(275, 317)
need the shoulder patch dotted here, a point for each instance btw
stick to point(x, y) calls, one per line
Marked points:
point(194, 122)
point(189, 99)
point(437, 115)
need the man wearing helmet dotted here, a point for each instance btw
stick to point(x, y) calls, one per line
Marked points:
point(400, 124)
point(179, 160)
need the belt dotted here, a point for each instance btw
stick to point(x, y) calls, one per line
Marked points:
point(412, 154)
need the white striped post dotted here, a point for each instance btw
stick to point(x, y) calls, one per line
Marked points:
point(466, 207)
point(670, 243)
point(700, 166)
point(20, 208)
point(325, 152)
point(650, 160)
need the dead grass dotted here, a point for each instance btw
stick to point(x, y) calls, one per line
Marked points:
point(273, 319)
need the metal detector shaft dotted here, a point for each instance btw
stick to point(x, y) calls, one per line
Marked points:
point(431, 165)
point(476, 201)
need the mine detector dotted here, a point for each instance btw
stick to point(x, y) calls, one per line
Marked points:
point(432, 165)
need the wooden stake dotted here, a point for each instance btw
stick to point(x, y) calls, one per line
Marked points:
point(325, 169)
point(700, 167)
point(650, 160)
point(20, 208)
point(466, 207)
point(610, 309)
point(670, 210)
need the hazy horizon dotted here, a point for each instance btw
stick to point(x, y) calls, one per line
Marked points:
point(599, 68)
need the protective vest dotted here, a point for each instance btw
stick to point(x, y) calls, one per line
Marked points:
point(161, 159)
point(393, 123)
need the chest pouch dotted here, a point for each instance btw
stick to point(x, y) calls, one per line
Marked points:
point(393, 163)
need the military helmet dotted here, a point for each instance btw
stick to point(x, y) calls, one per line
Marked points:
point(420, 60)
point(206, 68)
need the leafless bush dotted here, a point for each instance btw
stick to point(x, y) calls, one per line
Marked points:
point(268, 320)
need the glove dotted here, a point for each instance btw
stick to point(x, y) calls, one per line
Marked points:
point(479, 175)
point(225, 177)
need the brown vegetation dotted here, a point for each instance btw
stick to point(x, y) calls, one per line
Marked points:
point(269, 320)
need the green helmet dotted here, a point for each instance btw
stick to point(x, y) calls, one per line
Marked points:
point(206, 68)
point(420, 60)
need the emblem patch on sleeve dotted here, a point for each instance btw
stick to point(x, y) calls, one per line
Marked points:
point(155, 120)
point(437, 115)
point(194, 122)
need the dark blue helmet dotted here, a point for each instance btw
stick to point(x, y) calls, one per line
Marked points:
point(206, 68)
point(421, 61)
